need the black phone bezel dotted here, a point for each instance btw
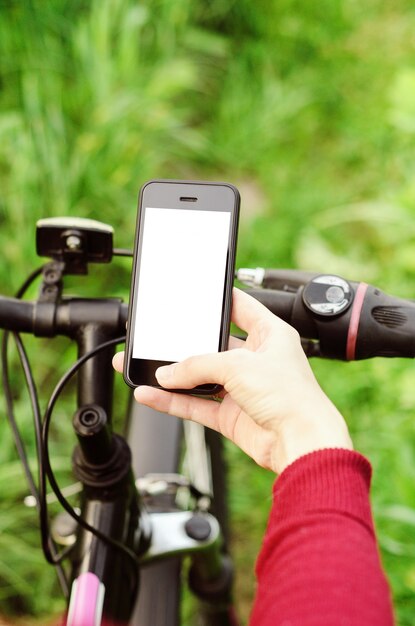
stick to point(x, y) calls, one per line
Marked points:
point(214, 196)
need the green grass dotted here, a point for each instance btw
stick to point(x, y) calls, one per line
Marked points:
point(308, 107)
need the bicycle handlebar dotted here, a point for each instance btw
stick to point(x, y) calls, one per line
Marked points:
point(350, 320)
point(16, 315)
point(64, 318)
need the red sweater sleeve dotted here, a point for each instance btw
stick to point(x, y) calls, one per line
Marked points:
point(319, 563)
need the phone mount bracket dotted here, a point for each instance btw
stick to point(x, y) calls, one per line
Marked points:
point(49, 295)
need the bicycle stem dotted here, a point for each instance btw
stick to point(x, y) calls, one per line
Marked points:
point(96, 377)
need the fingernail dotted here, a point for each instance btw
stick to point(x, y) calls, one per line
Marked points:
point(164, 374)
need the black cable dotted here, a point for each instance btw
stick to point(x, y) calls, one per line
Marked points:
point(41, 492)
point(51, 477)
point(38, 494)
point(34, 400)
point(8, 395)
point(29, 280)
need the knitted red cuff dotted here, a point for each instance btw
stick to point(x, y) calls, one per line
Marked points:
point(336, 479)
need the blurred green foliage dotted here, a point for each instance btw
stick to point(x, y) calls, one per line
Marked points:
point(309, 108)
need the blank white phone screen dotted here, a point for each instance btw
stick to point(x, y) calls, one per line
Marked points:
point(181, 283)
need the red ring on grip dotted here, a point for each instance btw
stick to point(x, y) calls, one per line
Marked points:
point(354, 321)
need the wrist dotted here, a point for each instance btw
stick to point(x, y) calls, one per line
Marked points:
point(308, 434)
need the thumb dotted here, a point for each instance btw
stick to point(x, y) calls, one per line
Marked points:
point(198, 370)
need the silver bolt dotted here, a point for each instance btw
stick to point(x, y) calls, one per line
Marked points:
point(73, 242)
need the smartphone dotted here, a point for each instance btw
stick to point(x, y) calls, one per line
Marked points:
point(183, 270)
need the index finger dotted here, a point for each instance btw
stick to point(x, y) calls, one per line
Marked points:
point(248, 312)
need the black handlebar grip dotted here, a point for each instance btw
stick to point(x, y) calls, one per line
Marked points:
point(385, 325)
point(375, 324)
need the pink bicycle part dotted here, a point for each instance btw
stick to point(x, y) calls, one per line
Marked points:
point(87, 599)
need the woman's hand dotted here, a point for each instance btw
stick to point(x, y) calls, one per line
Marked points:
point(272, 406)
